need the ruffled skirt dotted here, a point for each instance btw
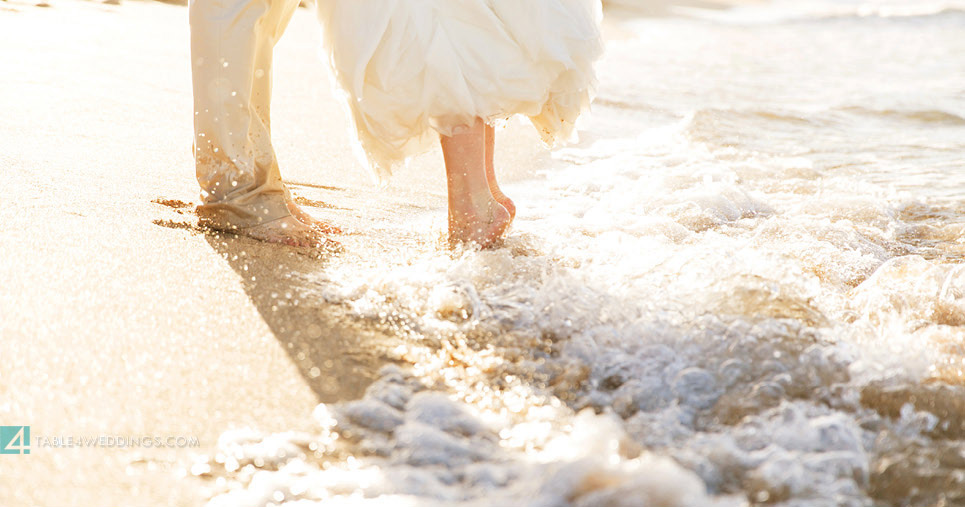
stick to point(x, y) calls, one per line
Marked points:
point(410, 69)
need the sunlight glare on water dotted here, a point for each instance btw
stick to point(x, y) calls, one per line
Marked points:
point(743, 285)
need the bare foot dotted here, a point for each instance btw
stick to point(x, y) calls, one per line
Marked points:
point(475, 214)
point(507, 203)
point(483, 229)
point(285, 230)
point(490, 139)
point(307, 219)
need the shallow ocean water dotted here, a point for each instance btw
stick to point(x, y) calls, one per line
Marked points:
point(743, 286)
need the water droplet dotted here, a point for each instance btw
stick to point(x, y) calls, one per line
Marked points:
point(200, 469)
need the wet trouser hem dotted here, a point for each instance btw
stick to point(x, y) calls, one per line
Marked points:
point(236, 216)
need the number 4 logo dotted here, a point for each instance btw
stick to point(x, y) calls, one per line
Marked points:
point(14, 439)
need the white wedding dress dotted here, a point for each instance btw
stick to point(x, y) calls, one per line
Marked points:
point(411, 68)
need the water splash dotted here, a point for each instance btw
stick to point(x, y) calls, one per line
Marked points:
point(740, 289)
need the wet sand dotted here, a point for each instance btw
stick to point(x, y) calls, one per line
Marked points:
point(120, 316)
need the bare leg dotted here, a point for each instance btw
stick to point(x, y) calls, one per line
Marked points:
point(474, 214)
point(491, 173)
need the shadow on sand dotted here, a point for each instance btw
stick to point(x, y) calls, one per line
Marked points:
point(337, 357)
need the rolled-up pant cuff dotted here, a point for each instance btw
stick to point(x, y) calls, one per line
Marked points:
point(231, 52)
point(245, 212)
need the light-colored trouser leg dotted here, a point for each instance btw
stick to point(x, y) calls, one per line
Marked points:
point(231, 52)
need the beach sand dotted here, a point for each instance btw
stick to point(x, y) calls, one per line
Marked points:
point(119, 316)
point(743, 285)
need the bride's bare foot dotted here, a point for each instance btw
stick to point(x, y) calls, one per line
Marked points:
point(484, 228)
point(475, 214)
point(506, 202)
point(490, 137)
point(307, 219)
